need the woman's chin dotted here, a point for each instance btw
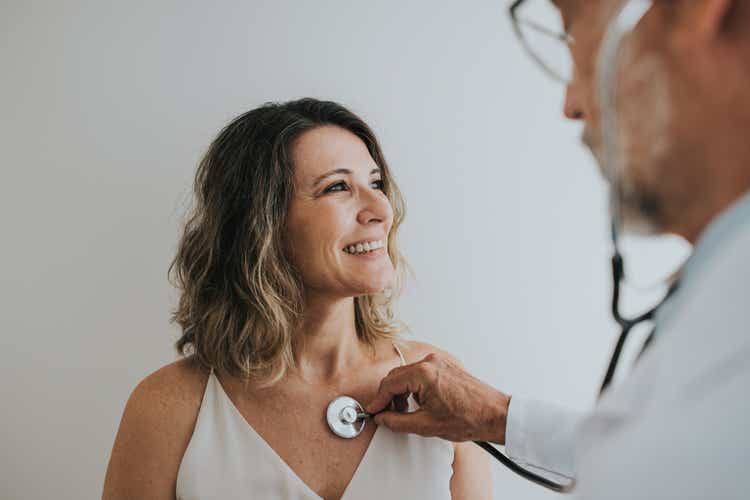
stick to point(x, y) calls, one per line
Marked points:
point(366, 293)
point(374, 286)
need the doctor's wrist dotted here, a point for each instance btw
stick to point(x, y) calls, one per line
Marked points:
point(499, 407)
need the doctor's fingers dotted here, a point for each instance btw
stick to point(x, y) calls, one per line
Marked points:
point(404, 380)
point(418, 422)
point(392, 387)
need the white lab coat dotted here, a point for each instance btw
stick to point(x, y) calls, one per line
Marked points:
point(677, 427)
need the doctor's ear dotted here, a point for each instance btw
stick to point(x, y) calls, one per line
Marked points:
point(693, 24)
point(711, 17)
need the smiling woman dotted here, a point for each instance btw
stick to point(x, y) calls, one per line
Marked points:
point(254, 241)
point(288, 270)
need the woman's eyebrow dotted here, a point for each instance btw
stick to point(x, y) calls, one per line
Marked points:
point(321, 178)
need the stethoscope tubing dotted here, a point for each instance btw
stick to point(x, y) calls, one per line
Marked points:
point(626, 325)
point(525, 473)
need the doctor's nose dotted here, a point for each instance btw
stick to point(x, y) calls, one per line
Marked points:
point(573, 107)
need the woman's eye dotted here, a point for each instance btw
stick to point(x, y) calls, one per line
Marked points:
point(339, 186)
point(342, 186)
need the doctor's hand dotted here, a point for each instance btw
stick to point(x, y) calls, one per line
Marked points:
point(453, 404)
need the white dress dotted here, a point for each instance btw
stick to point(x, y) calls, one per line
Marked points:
point(227, 459)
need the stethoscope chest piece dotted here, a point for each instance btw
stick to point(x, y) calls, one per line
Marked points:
point(344, 417)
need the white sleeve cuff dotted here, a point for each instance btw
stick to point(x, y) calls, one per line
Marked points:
point(542, 435)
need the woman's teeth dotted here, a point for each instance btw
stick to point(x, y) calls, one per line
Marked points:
point(364, 247)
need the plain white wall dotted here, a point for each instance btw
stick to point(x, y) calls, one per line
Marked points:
point(108, 106)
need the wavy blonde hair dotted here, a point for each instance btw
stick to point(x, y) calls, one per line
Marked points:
point(241, 300)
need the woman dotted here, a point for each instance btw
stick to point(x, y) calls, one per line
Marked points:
point(288, 269)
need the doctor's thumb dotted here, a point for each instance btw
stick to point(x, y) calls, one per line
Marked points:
point(417, 422)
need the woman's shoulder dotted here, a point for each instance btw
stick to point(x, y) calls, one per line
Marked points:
point(415, 350)
point(168, 399)
point(180, 382)
point(155, 429)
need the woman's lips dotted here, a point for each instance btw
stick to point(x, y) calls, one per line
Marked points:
point(364, 246)
point(372, 254)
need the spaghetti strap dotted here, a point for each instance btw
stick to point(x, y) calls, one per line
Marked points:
point(400, 354)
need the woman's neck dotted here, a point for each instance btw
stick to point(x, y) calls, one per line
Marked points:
point(326, 345)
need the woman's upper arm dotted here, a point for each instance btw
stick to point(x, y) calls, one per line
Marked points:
point(472, 473)
point(154, 432)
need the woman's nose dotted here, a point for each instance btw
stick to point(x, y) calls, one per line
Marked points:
point(374, 208)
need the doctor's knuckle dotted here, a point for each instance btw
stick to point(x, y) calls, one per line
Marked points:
point(425, 370)
point(432, 357)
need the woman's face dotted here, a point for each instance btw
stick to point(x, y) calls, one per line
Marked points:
point(338, 212)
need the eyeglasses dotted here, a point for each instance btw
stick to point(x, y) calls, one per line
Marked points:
point(539, 28)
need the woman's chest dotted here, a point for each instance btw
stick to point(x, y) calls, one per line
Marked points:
point(280, 448)
point(295, 430)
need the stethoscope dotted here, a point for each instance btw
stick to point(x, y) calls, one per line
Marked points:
point(347, 418)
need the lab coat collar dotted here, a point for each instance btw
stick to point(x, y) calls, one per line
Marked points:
point(721, 230)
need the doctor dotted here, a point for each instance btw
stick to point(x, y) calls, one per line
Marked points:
point(677, 427)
